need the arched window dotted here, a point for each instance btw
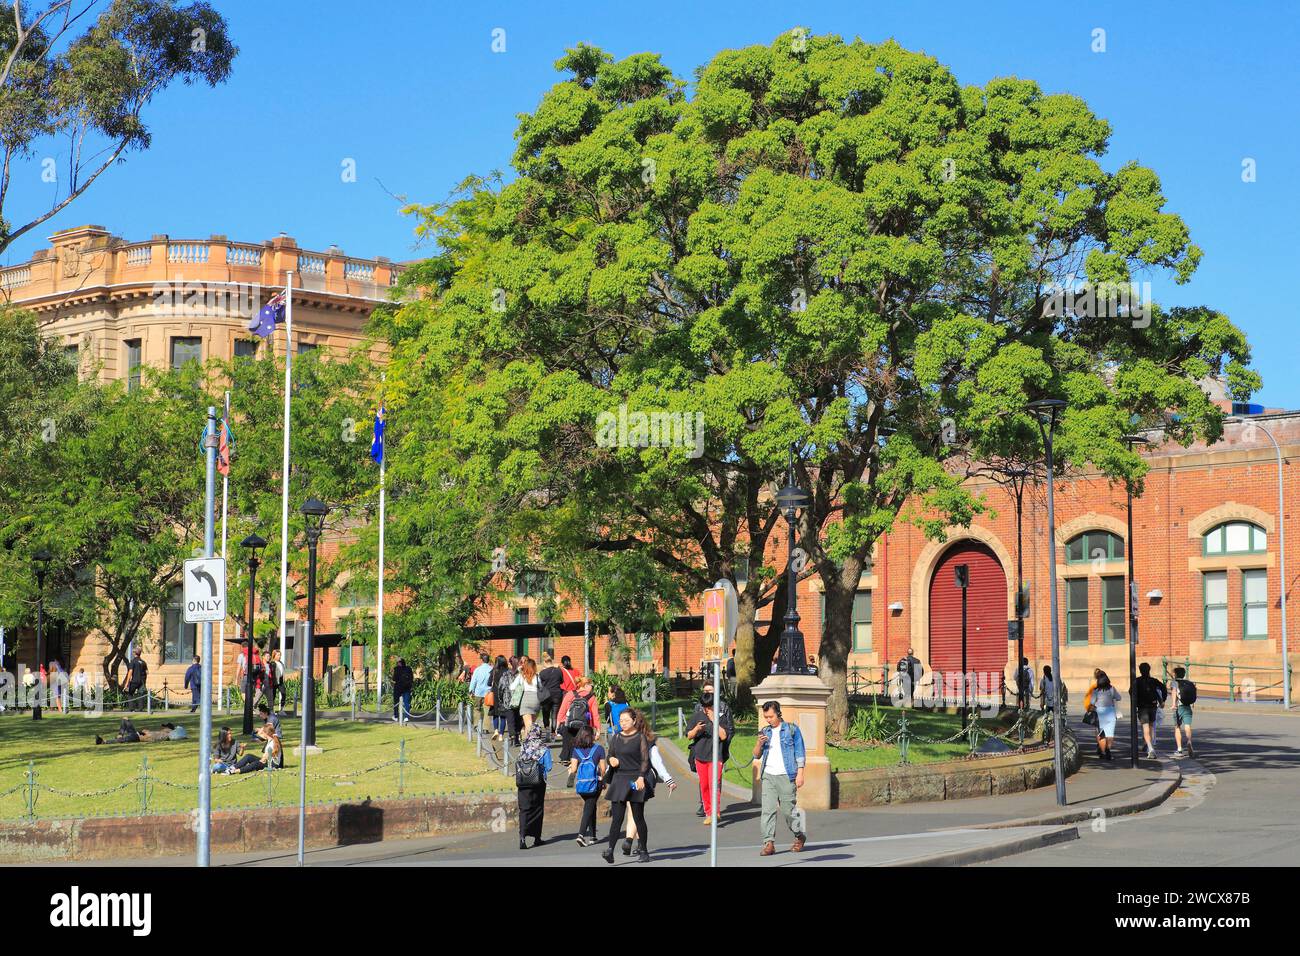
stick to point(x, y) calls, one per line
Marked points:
point(1094, 545)
point(1236, 537)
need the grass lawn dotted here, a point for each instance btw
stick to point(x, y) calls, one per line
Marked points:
point(850, 755)
point(67, 759)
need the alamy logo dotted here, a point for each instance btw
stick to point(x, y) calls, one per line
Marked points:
point(658, 429)
point(1105, 300)
point(75, 909)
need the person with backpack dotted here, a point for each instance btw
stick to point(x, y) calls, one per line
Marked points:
point(708, 766)
point(578, 710)
point(1101, 704)
point(910, 672)
point(629, 756)
point(551, 693)
point(782, 755)
point(1024, 684)
point(1184, 697)
point(698, 715)
point(587, 769)
point(498, 699)
point(137, 675)
point(480, 684)
point(530, 782)
point(1148, 697)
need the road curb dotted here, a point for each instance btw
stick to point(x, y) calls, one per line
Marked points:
point(995, 851)
point(1154, 795)
point(676, 762)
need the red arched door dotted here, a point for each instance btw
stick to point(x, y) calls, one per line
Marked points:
point(986, 614)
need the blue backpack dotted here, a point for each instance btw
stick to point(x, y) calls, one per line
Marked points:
point(586, 780)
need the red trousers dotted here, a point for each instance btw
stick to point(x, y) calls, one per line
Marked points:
point(706, 791)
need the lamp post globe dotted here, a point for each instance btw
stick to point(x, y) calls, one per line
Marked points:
point(41, 559)
point(253, 544)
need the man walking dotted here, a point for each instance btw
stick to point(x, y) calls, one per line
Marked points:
point(480, 683)
point(909, 676)
point(780, 747)
point(194, 682)
point(1184, 697)
point(1024, 684)
point(403, 681)
point(550, 691)
point(1148, 697)
point(137, 672)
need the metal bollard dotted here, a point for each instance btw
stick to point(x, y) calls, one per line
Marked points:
point(148, 701)
point(166, 697)
point(680, 724)
point(505, 755)
point(478, 745)
point(437, 713)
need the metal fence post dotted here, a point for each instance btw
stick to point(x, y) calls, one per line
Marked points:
point(401, 766)
point(505, 755)
point(679, 723)
point(1231, 673)
point(270, 792)
point(166, 696)
point(31, 790)
point(437, 712)
point(144, 786)
point(148, 701)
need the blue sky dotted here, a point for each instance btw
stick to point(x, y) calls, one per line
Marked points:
point(413, 93)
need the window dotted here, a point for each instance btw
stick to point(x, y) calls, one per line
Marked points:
point(246, 348)
point(1094, 545)
point(133, 353)
point(521, 615)
point(186, 350)
point(1236, 537)
point(178, 637)
point(547, 645)
point(532, 584)
point(1216, 605)
point(645, 647)
point(1254, 603)
point(1112, 610)
point(1076, 611)
point(305, 347)
point(862, 621)
point(352, 595)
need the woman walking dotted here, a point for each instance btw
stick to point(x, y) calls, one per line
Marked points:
point(629, 756)
point(530, 781)
point(1102, 701)
point(708, 768)
point(658, 773)
point(500, 692)
point(572, 719)
point(587, 770)
point(528, 689)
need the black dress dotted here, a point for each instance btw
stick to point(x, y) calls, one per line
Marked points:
point(633, 753)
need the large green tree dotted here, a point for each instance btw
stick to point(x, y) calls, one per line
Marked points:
point(832, 244)
point(85, 71)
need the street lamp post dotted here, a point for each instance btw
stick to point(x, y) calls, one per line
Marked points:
point(1132, 441)
point(962, 575)
point(1045, 412)
point(790, 659)
point(314, 511)
point(252, 544)
point(41, 559)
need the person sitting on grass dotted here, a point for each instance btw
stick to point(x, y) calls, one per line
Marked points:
point(228, 751)
point(267, 718)
point(272, 755)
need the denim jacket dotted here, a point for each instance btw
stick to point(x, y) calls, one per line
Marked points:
point(792, 749)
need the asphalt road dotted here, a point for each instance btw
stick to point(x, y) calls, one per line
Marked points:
point(1236, 807)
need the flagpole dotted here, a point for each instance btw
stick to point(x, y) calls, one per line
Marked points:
point(284, 495)
point(225, 500)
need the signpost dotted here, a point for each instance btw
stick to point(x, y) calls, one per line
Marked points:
point(719, 628)
point(204, 602)
point(715, 623)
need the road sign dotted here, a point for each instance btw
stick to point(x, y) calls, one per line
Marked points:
point(1014, 630)
point(205, 591)
point(715, 623)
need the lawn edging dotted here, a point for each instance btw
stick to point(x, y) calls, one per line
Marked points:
point(251, 830)
point(989, 776)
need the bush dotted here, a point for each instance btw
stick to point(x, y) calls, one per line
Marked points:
point(869, 724)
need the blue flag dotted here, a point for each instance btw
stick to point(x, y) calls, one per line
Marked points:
point(377, 444)
point(271, 315)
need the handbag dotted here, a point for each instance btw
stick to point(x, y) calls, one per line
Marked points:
point(1090, 717)
point(489, 699)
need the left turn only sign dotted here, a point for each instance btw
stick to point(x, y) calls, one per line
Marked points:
point(205, 590)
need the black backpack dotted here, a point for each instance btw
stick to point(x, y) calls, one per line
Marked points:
point(1186, 692)
point(528, 773)
point(576, 718)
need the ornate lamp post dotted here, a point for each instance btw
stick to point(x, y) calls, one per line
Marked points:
point(1132, 441)
point(314, 511)
point(252, 544)
point(41, 559)
point(790, 658)
point(1046, 411)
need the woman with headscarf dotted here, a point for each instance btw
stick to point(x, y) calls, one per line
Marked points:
point(530, 781)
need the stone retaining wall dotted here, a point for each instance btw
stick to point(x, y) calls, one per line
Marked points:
point(247, 831)
point(948, 780)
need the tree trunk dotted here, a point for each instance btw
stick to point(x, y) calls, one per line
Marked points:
point(837, 641)
point(746, 671)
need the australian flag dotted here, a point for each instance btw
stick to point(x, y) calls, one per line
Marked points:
point(271, 315)
point(377, 444)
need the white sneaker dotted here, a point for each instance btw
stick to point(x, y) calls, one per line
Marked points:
point(1178, 753)
point(1151, 754)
